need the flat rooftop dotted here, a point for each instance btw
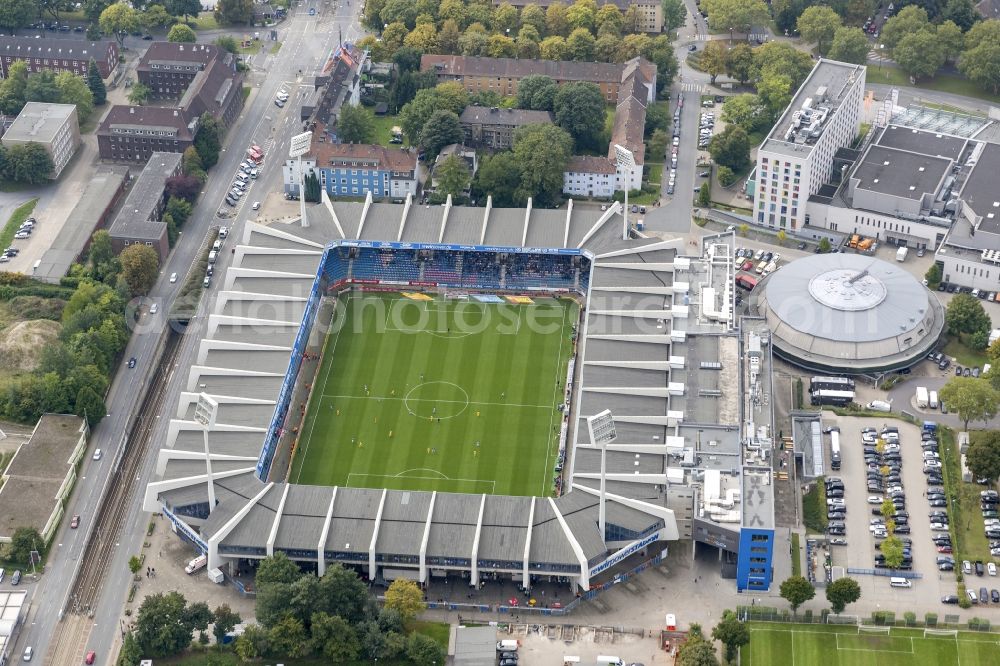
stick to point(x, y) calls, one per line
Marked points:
point(836, 77)
point(981, 192)
point(922, 142)
point(900, 173)
point(39, 122)
point(134, 219)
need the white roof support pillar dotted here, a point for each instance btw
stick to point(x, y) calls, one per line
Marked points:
point(569, 216)
point(402, 219)
point(474, 569)
point(444, 219)
point(426, 538)
point(486, 219)
point(321, 546)
point(216, 539)
point(525, 576)
point(584, 580)
point(527, 221)
point(364, 213)
point(277, 521)
point(371, 546)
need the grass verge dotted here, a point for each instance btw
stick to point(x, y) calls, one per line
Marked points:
point(814, 508)
point(966, 524)
point(275, 48)
point(963, 354)
point(204, 21)
point(948, 83)
point(20, 214)
point(796, 555)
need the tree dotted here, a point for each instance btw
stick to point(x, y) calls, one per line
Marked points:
point(183, 187)
point(850, 45)
point(499, 176)
point(674, 14)
point(119, 19)
point(965, 314)
point(739, 62)
point(405, 597)
point(452, 176)
point(705, 195)
point(130, 653)
point(919, 54)
point(334, 638)
point(841, 592)
point(208, 140)
point(974, 399)
point(657, 144)
point(252, 643)
point(156, 16)
point(713, 59)
point(98, 92)
point(933, 276)
point(818, 24)
point(554, 48)
point(423, 37)
point(579, 109)
point(504, 18)
point(725, 175)
point(951, 39)
point(983, 455)
point(343, 594)
point(910, 20)
point(73, 89)
point(962, 12)
point(139, 94)
point(407, 59)
point(441, 129)
point(744, 110)
point(732, 633)
point(165, 622)
point(232, 12)
point(28, 163)
point(796, 590)
point(500, 46)
point(134, 564)
point(15, 14)
point(736, 15)
point(41, 87)
point(277, 569)
point(183, 8)
point(696, 651)
point(556, 22)
point(731, 147)
point(90, 406)
point(534, 16)
point(181, 33)
point(12, 88)
point(24, 540)
point(543, 151)
point(191, 164)
point(892, 550)
point(355, 124)
point(824, 245)
point(774, 58)
point(781, 236)
point(421, 649)
point(536, 92)
point(224, 620)
point(609, 20)
point(140, 268)
point(775, 93)
point(982, 65)
point(288, 637)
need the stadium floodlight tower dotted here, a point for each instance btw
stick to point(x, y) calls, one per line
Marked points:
point(602, 433)
point(298, 147)
point(624, 159)
point(205, 413)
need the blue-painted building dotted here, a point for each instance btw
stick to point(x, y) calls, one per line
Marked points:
point(754, 570)
point(354, 170)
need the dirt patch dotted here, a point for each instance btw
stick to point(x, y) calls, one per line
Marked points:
point(21, 343)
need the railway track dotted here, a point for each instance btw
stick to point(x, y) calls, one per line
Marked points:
point(73, 632)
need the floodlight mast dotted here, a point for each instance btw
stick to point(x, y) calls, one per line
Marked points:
point(625, 160)
point(298, 147)
point(205, 412)
point(602, 433)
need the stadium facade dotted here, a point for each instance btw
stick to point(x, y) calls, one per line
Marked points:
point(659, 346)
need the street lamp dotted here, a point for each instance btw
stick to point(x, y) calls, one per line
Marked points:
point(626, 161)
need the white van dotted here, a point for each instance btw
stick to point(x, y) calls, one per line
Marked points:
point(212, 256)
point(900, 582)
point(508, 646)
point(217, 245)
point(605, 660)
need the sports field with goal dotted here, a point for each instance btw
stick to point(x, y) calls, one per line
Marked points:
point(425, 393)
point(846, 645)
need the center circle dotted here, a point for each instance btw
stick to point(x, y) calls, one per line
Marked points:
point(436, 400)
point(846, 289)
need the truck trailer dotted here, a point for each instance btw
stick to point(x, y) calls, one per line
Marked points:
point(922, 397)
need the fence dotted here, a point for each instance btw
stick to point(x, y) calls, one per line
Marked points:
point(891, 573)
point(877, 618)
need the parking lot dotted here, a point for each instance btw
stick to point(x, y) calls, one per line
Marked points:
point(860, 551)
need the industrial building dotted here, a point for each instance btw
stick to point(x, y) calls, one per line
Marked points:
point(660, 347)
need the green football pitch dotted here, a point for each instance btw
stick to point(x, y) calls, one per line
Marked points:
point(833, 645)
point(449, 395)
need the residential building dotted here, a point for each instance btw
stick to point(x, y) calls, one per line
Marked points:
point(501, 75)
point(493, 127)
point(53, 126)
point(796, 158)
point(650, 11)
point(354, 170)
point(134, 133)
point(140, 219)
point(60, 55)
point(464, 153)
point(589, 176)
point(203, 77)
point(338, 83)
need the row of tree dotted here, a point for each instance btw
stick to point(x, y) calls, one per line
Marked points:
point(48, 86)
point(165, 624)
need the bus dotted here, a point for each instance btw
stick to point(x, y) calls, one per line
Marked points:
point(834, 450)
point(747, 282)
point(831, 384)
point(829, 397)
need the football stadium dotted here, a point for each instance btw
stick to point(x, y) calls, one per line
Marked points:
point(405, 390)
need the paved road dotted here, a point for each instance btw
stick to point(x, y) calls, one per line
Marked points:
point(307, 40)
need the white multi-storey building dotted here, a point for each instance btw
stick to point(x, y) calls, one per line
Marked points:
point(796, 158)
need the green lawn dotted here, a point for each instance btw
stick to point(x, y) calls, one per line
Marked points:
point(963, 354)
point(967, 519)
point(204, 21)
point(948, 83)
point(843, 645)
point(20, 214)
point(383, 127)
point(456, 396)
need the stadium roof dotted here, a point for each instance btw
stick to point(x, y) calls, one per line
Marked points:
point(645, 303)
point(848, 312)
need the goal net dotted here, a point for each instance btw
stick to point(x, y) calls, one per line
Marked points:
point(939, 633)
point(843, 619)
point(868, 629)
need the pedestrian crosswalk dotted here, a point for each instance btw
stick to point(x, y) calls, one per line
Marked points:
point(692, 87)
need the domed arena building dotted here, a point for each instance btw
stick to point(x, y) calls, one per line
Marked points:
point(848, 314)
